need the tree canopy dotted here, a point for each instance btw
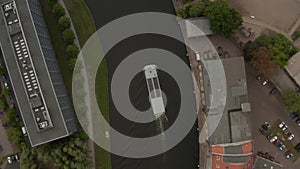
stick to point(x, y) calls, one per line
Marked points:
point(263, 63)
point(248, 50)
point(72, 50)
point(223, 19)
point(14, 135)
point(68, 36)
point(291, 100)
point(58, 10)
point(64, 23)
point(197, 9)
point(280, 46)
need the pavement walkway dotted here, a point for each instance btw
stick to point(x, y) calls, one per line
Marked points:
point(7, 147)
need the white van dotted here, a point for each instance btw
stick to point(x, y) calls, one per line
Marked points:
point(24, 131)
point(198, 57)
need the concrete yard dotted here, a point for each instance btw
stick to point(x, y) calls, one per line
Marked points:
point(282, 14)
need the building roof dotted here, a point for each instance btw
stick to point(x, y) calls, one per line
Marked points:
point(195, 24)
point(233, 155)
point(293, 67)
point(234, 125)
point(40, 51)
point(265, 163)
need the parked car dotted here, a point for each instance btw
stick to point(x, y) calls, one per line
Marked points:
point(24, 131)
point(294, 115)
point(266, 126)
point(198, 57)
point(273, 91)
point(265, 82)
point(258, 77)
point(273, 139)
point(5, 124)
point(288, 154)
point(270, 136)
point(297, 147)
point(6, 85)
point(282, 147)
point(17, 118)
point(262, 131)
point(4, 77)
point(276, 142)
point(17, 157)
point(9, 160)
point(226, 55)
point(281, 124)
point(220, 51)
point(298, 121)
point(291, 137)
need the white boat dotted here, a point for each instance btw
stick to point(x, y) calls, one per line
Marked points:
point(155, 94)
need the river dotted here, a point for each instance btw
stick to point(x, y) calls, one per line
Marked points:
point(185, 154)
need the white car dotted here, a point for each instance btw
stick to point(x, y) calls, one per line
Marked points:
point(265, 82)
point(291, 137)
point(282, 147)
point(273, 139)
point(281, 125)
point(6, 85)
point(9, 160)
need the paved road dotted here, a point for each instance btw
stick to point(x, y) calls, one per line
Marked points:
point(268, 108)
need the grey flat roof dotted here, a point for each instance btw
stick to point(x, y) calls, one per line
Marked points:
point(237, 160)
point(240, 126)
point(195, 24)
point(264, 163)
point(293, 67)
point(232, 125)
point(59, 129)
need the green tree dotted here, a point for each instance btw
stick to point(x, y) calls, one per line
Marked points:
point(72, 63)
point(1, 70)
point(68, 36)
point(5, 91)
point(263, 40)
point(281, 59)
point(14, 135)
point(291, 100)
point(183, 12)
point(297, 34)
point(53, 2)
point(58, 10)
point(64, 23)
point(197, 9)
point(263, 63)
point(11, 116)
point(72, 50)
point(293, 51)
point(2, 103)
point(223, 19)
point(280, 44)
point(248, 50)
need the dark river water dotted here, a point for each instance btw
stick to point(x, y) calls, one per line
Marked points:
point(185, 154)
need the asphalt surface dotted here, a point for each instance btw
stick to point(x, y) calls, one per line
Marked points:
point(183, 155)
point(268, 108)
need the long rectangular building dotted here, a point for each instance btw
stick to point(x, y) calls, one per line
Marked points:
point(34, 74)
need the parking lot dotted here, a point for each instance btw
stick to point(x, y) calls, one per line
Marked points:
point(266, 107)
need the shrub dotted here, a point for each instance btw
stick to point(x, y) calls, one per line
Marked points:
point(53, 2)
point(68, 36)
point(58, 10)
point(72, 50)
point(64, 23)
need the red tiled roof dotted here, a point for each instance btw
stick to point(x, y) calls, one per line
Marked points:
point(218, 154)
